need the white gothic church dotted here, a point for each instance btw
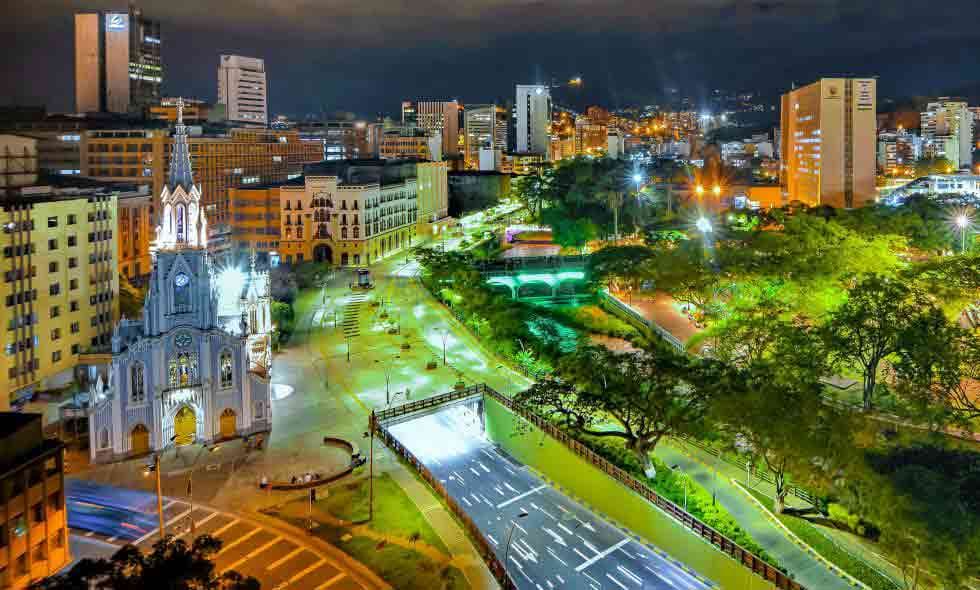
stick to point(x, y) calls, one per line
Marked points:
point(196, 367)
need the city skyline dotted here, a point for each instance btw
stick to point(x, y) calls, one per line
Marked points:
point(322, 59)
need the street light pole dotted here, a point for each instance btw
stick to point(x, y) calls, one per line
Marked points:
point(510, 535)
point(156, 467)
point(371, 470)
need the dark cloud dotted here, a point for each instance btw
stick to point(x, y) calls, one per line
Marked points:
point(366, 55)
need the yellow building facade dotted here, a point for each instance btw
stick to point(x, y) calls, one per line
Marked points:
point(59, 296)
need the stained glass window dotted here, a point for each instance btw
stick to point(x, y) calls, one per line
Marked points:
point(182, 369)
point(226, 370)
point(137, 388)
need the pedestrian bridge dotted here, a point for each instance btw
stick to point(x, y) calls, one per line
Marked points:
point(539, 278)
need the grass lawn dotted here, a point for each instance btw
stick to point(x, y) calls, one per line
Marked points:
point(388, 545)
point(394, 512)
point(828, 549)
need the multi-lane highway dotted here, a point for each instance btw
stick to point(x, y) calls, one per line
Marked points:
point(547, 540)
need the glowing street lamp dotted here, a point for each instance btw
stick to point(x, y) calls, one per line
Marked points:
point(962, 222)
point(716, 190)
point(699, 190)
point(703, 225)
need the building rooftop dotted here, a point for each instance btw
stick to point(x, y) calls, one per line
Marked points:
point(56, 187)
point(21, 440)
point(364, 170)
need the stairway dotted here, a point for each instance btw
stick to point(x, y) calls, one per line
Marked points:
point(352, 315)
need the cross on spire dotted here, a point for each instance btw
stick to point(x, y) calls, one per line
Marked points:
point(180, 110)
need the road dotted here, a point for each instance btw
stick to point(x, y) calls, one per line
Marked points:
point(547, 540)
point(271, 556)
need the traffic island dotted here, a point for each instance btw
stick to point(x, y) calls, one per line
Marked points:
point(398, 545)
point(313, 479)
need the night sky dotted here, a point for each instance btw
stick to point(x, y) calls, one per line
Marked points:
point(367, 55)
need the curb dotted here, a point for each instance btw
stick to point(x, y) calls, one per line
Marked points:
point(851, 580)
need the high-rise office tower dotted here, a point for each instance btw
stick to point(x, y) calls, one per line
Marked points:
point(532, 113)
point(117, 61)
point(947, 131)
point(828, 143)
point(242, 90)
point(432, 116)
point(484, 127)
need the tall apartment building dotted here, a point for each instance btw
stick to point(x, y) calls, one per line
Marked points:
point(532, 116)
point(117, 61)
point(947, 131)
point(59, 295)
point(241, 158)
point(255, 221)
point(828, 143)
point(433, 116)
point(484, 127)
point(33, 518)
point(242, 90)
point(591, 136)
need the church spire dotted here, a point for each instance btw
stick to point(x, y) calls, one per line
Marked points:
point(181, 173)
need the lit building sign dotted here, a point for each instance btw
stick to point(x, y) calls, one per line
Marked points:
point(116, 21)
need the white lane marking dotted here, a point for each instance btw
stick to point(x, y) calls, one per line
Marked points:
point(510, 487)
point(331, 581)
point(225, 528)
point(521, 496)
point(560, 578)
point(492, 540)
point(617, 582)
point(180, 516)
point(205, 519)
point(484, 467)
point(630, 575)
point(467, 502)
point(110, 539)
point(499, 491)
point(579, 553)
point(668, 582)
point(475, 472)
point(555, 555)
point(169, 504)
point(555, 536)
point(602, 554)
point(239, 540)
point(566, 529)
point(251, 554)
point(90, 533)
point(302, 573)
point(591, 578)
point(587, 544)
point(285, 558)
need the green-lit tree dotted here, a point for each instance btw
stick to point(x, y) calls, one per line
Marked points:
point(636, 397)
point(172, 565)
point(868, 327)
point(928, 166)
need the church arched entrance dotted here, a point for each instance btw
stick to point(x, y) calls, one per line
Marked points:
point(139, 439)
point(322, 253)
point(185, 426)
point(227, 426)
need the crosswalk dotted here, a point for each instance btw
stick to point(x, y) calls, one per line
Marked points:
point(352, 314)
point(248, 548)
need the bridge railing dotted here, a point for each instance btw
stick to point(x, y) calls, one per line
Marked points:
point(741, 555)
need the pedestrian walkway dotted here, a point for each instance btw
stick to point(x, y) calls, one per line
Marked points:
point(715, 476)
point(352, 314)
point(445, 525)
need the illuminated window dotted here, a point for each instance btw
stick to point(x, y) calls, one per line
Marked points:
point(137, 392)
point(226, 369)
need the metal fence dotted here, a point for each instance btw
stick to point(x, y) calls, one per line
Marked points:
point(762, 474)
point(376, 424)
point(690, 522)
point(635, 316)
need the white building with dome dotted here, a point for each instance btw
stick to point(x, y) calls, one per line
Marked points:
point(196, 367)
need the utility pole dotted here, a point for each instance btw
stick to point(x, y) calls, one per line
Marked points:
point(370, 470)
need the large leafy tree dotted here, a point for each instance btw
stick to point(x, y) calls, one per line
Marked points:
point(637, 397)
point(775, 411)
point(173, 564)
point(869, 326)
point(621, 267)
point(687, 274)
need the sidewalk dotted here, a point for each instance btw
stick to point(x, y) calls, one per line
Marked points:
point(714, 476)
